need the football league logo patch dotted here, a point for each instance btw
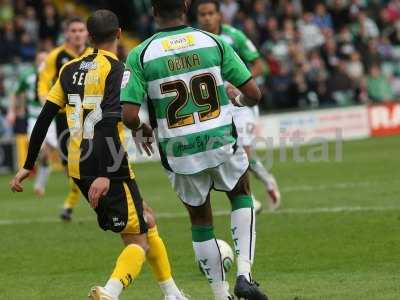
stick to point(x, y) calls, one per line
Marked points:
point(125, 79)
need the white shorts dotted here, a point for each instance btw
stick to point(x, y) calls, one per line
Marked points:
point(245, 122)
point(194, 189)
point(51, 137)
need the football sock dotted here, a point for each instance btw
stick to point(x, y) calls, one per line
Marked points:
point(221, 290)
point(128, 267)
point(72, 199)
point(259, 171)
point(169, 288)
point(157, 256)
point(42, 177)
point(207, 253)
point(243, 233)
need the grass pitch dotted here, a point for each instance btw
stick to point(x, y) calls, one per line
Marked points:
point(337, 235)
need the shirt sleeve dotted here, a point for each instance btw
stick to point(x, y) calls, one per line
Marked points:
point(247, 51)
point(134, 85)
point(47, 74)
point(39, 132)
point(57, 95)
point(233, 68)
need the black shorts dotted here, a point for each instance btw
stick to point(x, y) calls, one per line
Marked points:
point(121, 210)
point(63, 136)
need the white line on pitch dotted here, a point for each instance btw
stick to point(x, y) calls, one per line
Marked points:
point(288, 211)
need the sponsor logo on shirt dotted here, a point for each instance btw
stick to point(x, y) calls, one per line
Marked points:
point(178, 42)
point(88, 65)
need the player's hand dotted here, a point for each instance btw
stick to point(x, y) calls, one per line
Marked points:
point(11, 117)
point(232, 92)
point(144, 139)
point(98, 189)
point(16, 182)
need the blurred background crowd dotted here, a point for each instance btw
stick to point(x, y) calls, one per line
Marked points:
point(318, 53)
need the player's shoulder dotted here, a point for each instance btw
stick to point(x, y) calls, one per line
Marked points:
point(54, 53)
point(235, 33)
point(75, 63)
point(138, 52)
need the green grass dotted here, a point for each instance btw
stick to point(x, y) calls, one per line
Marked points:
point(336, 237)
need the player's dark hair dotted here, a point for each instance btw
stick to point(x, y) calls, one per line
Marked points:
point(72, 20)
point(103, 26)
point(168, 9)
point(215, 2)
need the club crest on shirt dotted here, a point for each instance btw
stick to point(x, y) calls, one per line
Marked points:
point(178, 42)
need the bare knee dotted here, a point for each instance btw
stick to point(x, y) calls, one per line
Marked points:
point(137, 239)
point(149, 216)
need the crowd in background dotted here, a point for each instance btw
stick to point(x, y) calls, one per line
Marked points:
point(318, 53)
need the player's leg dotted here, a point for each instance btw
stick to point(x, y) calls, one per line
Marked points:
point(245, 121)
point(245, 127)
point(233, 177)
point(121, 211)
point(194, 191)
point(72, 198)
point(43, 171)
point(267, 178)
point(157, 256)
point(70, 202)
point(127, 268)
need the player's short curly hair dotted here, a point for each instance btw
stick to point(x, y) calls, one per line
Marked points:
point(103, 26)
point(169, 9)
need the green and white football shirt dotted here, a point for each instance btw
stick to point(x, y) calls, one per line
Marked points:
point(180, 72)
point(243, 46)
point(27, 85)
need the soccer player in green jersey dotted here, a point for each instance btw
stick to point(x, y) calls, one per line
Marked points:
point(26, 90)
point(189, 78)
point(209, 19)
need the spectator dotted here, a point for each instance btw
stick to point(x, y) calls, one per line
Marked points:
point(229, 8)
point(322, 18)
point(49, 23)
point(311, 35)
point(378, 87)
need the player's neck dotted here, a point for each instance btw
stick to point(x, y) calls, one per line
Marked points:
point(109, 47)
point(216, 30)
point(166, 24)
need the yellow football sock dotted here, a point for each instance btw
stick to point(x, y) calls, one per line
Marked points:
point(129, 264)
point(157, 256)
point(21, 141)
point(72, 199)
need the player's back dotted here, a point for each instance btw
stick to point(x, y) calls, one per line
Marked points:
point(183, 70)
point(89, 88)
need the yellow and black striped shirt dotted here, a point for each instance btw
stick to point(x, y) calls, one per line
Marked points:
point(89, 88)
point(51, 68)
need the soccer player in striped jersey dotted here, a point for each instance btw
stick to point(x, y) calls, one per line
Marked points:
point(209, 19)
point(181, 73)
point(26, 90)
point(89, 88)
point(75, 45)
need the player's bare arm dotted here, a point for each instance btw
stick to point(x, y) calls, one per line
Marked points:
point(257, 68)
point(247, 95)
point(142, 133)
